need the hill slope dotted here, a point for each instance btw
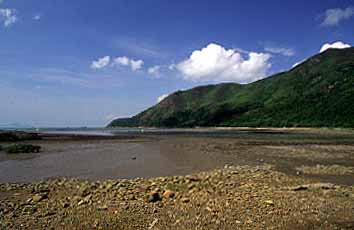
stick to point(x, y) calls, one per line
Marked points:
point(318, 92)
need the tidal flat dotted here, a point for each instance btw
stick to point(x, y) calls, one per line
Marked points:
point(248, 178)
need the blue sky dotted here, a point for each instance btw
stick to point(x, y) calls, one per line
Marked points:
point(82, 63)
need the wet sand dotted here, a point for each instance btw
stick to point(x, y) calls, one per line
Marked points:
point(182, 152)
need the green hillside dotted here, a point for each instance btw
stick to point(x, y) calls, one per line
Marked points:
point(316, 93)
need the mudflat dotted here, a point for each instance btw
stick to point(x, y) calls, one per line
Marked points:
point(273, 178)
point(299, 152)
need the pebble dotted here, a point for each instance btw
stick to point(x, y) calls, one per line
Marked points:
point(154, 197)
point(269, 202)
point(102, 207)
point(168, 194)
point(38, 197)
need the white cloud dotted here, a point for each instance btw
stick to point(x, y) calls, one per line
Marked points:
point(136, 65)
point(122, 61)
point(125, 61)
point(7, 17)
point(299, 63)
point(335, 45)
point(101, 63)
point(155, 70)
point(326, 46)
point(160, 98)
point(215, 63)
point(172, 67)
point(280, 50)
point(37, 17)
point(334, 16)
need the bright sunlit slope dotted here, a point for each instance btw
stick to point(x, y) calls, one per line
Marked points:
point(317, 93)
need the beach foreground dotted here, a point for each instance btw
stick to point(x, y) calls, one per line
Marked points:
point(298, 179)
point(234, 197)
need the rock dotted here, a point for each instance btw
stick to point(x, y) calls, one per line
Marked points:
point(168, 194)
point(154, 197)
point(131, 197)
point(133, 158)
point(5, 211)
point(269, 202)
point(191, 186)
point(84, 192)
point(81, 202)
point(152, 225)
point(13, 136)
point(102, 207)
point(38, 197)
point(88, 198)
point(109, 186)
point(49, 213)
point(185, 200)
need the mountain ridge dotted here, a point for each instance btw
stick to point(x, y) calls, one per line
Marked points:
point(318, 92)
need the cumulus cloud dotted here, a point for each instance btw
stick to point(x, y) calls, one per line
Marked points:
point(334, 16)
point(280, 50)
point(125, 61)
point(160, 98)
point(215, 63)
point(154, 71)
point(335, 45)
point(101, 63)
point(7, 17)
point(326, 46)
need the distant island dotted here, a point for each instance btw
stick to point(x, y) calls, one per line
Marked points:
point(316, 93)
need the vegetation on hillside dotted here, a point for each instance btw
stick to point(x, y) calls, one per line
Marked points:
point(316, 93)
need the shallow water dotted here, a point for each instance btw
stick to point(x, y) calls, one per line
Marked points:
point(83, 160)
point(103, 159)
